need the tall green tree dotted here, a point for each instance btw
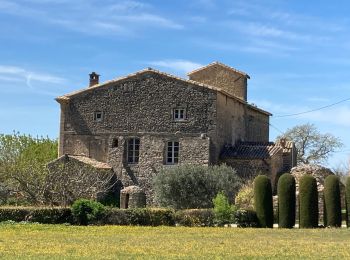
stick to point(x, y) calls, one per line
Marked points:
point(23, 160)
point(312, 146)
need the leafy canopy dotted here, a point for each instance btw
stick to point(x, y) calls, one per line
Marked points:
point(194, 186)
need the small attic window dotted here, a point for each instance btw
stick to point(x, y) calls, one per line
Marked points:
point(98, 116)
point(179, 114)
point(115, 143)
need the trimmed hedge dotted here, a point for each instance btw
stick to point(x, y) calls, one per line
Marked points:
point(286, 201)
point(263, 201)
point(195, 217)
point(41, 215)
point(246, 218)
point(308, 202)
point(138, 217)
point(332, 203)
point(347, 201)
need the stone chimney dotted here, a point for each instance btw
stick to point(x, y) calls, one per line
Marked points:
point(94, 79)
point(283, 142)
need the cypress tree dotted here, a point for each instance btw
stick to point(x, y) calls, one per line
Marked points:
point(347, 201)
point(308, 202)
point(286, 201)
point(332, 203)
point(263, 201)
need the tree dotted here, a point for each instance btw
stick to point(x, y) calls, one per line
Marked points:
point(23, 160)
point(194, 186)
point(312, 146)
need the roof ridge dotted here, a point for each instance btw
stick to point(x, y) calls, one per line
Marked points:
point(106, 83)
point(221, 64)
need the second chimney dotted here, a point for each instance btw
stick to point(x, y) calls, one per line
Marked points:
point(94, 79)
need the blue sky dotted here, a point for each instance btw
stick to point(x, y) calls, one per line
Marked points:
point(296, 52)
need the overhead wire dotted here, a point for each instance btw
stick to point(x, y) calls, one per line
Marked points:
point(313, 110)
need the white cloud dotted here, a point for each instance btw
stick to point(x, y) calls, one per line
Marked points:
point(177, 65)
point(91, 17)
point(18, 74)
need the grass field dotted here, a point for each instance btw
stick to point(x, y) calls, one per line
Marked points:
point(36, 241)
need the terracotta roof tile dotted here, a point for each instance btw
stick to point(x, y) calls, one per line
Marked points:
point(251, 150)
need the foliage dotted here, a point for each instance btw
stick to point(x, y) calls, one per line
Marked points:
point(223, 211)
point(195, 217)
point(245, 196)
point(246, 218)
point(86, 211)
point(23, 160)
point(347, 201)
point(286, 201)
point(263, 201)
point(71, 180)
point(308, 199)
point(194, 186)
point(332, 201)
point(312, 146)
point(140, 217)
point(36, 214)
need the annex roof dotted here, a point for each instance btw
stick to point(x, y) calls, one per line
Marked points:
point(216, 63)
point(251, 150)
point(66, 97)
point(84, 159)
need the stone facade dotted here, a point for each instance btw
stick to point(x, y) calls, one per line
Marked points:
point(160, 111)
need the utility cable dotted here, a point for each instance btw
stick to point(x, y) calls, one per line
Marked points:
point(313, 110)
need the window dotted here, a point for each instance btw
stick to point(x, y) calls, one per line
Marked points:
point(115, 143)
point(133, 150)
point(172, 152)
point(179, 114)
point(98, 116)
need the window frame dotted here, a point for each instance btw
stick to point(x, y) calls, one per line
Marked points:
point(177, 111)
point(172, 152)
point(133, 150)
point(96, 118)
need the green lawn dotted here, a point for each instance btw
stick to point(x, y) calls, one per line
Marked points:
point(112, 242)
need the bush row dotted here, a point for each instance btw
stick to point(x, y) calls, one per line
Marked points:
point(308, 201)
point(115, 216)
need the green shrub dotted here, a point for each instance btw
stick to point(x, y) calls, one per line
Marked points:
point(347, 201)
point(139, 217)
point(332, 203)
point(195, 217)
point(263, 201)
point(87, 211)
point(223, 211)
point(308, 202)
point(40, 215)
point(246, 218)
point(245, 196)
point(286, 201)
point(194, 186)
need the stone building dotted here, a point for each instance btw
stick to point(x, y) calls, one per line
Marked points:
point(147, 120)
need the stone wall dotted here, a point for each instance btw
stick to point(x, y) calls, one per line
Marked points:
point(142, 103)
point(230, 122)
point(224, 78)
point(257, 126)
point(193, 149)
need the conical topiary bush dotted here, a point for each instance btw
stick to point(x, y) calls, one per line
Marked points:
point(263, 201)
